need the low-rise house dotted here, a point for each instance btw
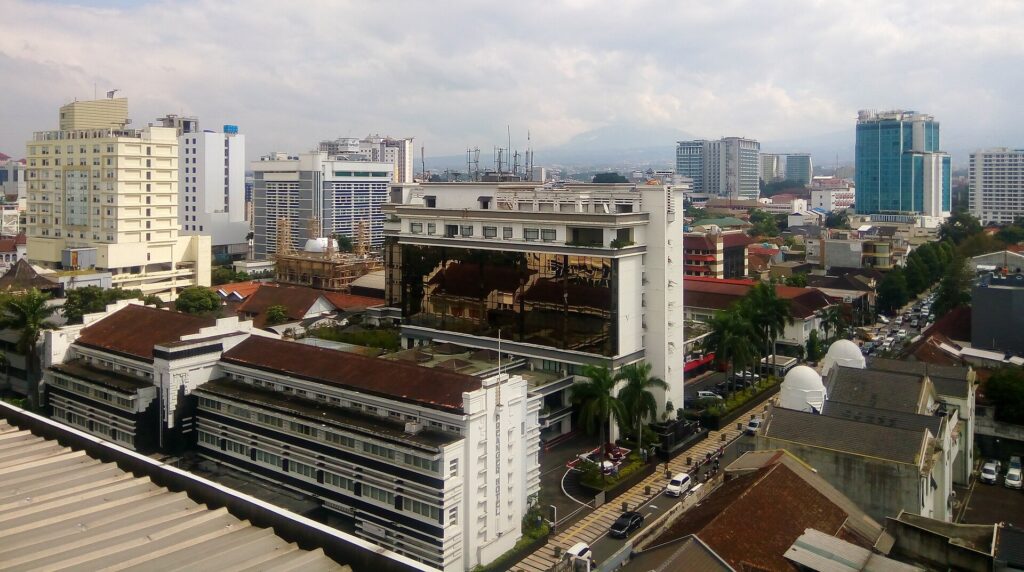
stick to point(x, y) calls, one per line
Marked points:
point(705, 296)
point(768, 501)
point(12, 249)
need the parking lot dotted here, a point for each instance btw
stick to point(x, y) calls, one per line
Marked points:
point(988, 504)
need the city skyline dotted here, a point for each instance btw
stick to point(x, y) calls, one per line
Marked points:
point(291, 75)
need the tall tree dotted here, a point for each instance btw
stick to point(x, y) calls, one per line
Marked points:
point(768, 314)
point(91, 299)
point(833, 320)
point(955, 287)
point(959, 227)
point(1006, 390)
point(892, 291)
point(197, 300)
point(917, 275)
point(637, 400)
point(979, 244)
point(29, 314)
point(733, 339)
point(597, 405)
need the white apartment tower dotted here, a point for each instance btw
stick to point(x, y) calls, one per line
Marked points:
point(729, 167)
point(104, 195)
point(996, 179)
point(211, 175)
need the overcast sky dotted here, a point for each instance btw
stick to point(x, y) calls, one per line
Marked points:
point(454, 74)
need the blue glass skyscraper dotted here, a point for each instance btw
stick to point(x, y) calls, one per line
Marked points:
point(900, 168)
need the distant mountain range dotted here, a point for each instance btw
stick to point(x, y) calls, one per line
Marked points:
point(630, 146)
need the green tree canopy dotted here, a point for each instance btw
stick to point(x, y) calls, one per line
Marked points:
point(638, 401)
point(609, 178)
point(892, 291)
point(799, 279)
point(1011, 234)
point(764, 224)
point(596, 404)
point(838, 219)
point(1005, 389)
point(959, 227)
point(91, 299)
point(979, 244)
point(29, 314)
point(197, 300)
point(276, 314)
point(955, 287)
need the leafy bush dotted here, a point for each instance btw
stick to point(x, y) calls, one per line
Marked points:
point(383, 338)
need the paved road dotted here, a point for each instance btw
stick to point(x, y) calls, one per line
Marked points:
point(704, 382)
point(594, 526)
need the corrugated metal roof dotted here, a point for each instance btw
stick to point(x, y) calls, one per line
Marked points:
point(63, 509)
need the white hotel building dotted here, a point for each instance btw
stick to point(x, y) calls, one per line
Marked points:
point(432, 464)
point(567, 277)
point(997, 185)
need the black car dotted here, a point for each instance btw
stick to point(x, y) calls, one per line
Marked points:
point(625, 524)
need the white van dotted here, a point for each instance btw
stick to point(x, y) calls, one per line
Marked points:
point(708, 395)
point(678, 485)
point(580, 551)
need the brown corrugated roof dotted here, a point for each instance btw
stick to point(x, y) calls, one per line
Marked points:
point(22, 277)
point(718, 294)
point(753, 519)
point(393, 379)
point(297, 300)
point(134, 330)
point(344, 301)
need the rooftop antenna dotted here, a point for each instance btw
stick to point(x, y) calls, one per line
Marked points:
point(423, 161)
point(508, 129)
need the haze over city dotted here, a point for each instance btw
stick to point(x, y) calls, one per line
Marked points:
point(462, 73)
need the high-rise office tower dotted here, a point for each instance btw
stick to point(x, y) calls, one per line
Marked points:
point(799, 168)
point(341, 193)
point(211, 184)
point(997, 185)
point(399, 152)
point(104, 195)
point(728, 167)
point(771, 167)
point(900, 169)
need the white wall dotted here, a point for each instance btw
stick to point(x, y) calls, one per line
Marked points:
point(203, 207)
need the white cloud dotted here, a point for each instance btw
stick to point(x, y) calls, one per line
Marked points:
point(457, 73)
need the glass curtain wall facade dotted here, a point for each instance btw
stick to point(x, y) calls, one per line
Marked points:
point(890, 169)
point(556, 300)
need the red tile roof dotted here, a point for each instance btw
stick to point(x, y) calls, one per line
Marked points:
point(134, 330)
point(735, 239)
point(241, 289)
point(8, 244)
point(698, 242)
point(4, 157)
point(435, 388)
point(351, 301)
point(753, 519)
point(719, 294)
point(297, 300)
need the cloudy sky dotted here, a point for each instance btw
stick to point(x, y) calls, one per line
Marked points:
point(454, 74)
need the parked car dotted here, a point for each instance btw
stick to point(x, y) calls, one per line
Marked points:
point(752, 427)
point(990, 472)
point(580, 551)
point(678, 485)
point(708, 395)
point(625, 524)
point(1012, 479)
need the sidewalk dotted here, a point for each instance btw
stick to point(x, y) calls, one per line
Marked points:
point(594, 525)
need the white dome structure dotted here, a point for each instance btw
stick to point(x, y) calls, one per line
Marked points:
point(317, 245)
point(844, 353)
point(802, 390)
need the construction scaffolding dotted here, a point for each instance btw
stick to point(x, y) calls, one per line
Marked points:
point(320, 265)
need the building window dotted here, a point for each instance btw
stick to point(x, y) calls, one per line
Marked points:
point(453, 468)
point(506, 232)
point(302, 469)
point(378, 450)
point(467, 230)
point(453, 516)
point(490, 232)
point(343, 440)
point(422, 508)
point(431, 228)
point(379, 494)
point(339, 482)
point(531, 234)
point(547, 234)
point(268, 458)
point(416, 228)
point(236, 448)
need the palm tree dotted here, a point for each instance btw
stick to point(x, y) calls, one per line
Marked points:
point(597, 405)
point(636, 397)
point(832, 318)
point(732, 337)
point(769, 314)
point(29, 314)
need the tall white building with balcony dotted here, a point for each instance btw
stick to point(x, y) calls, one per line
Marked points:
point(730, 167)
point(561, 277)
point(996, 179)
point(211, 185)
point(104, 195)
